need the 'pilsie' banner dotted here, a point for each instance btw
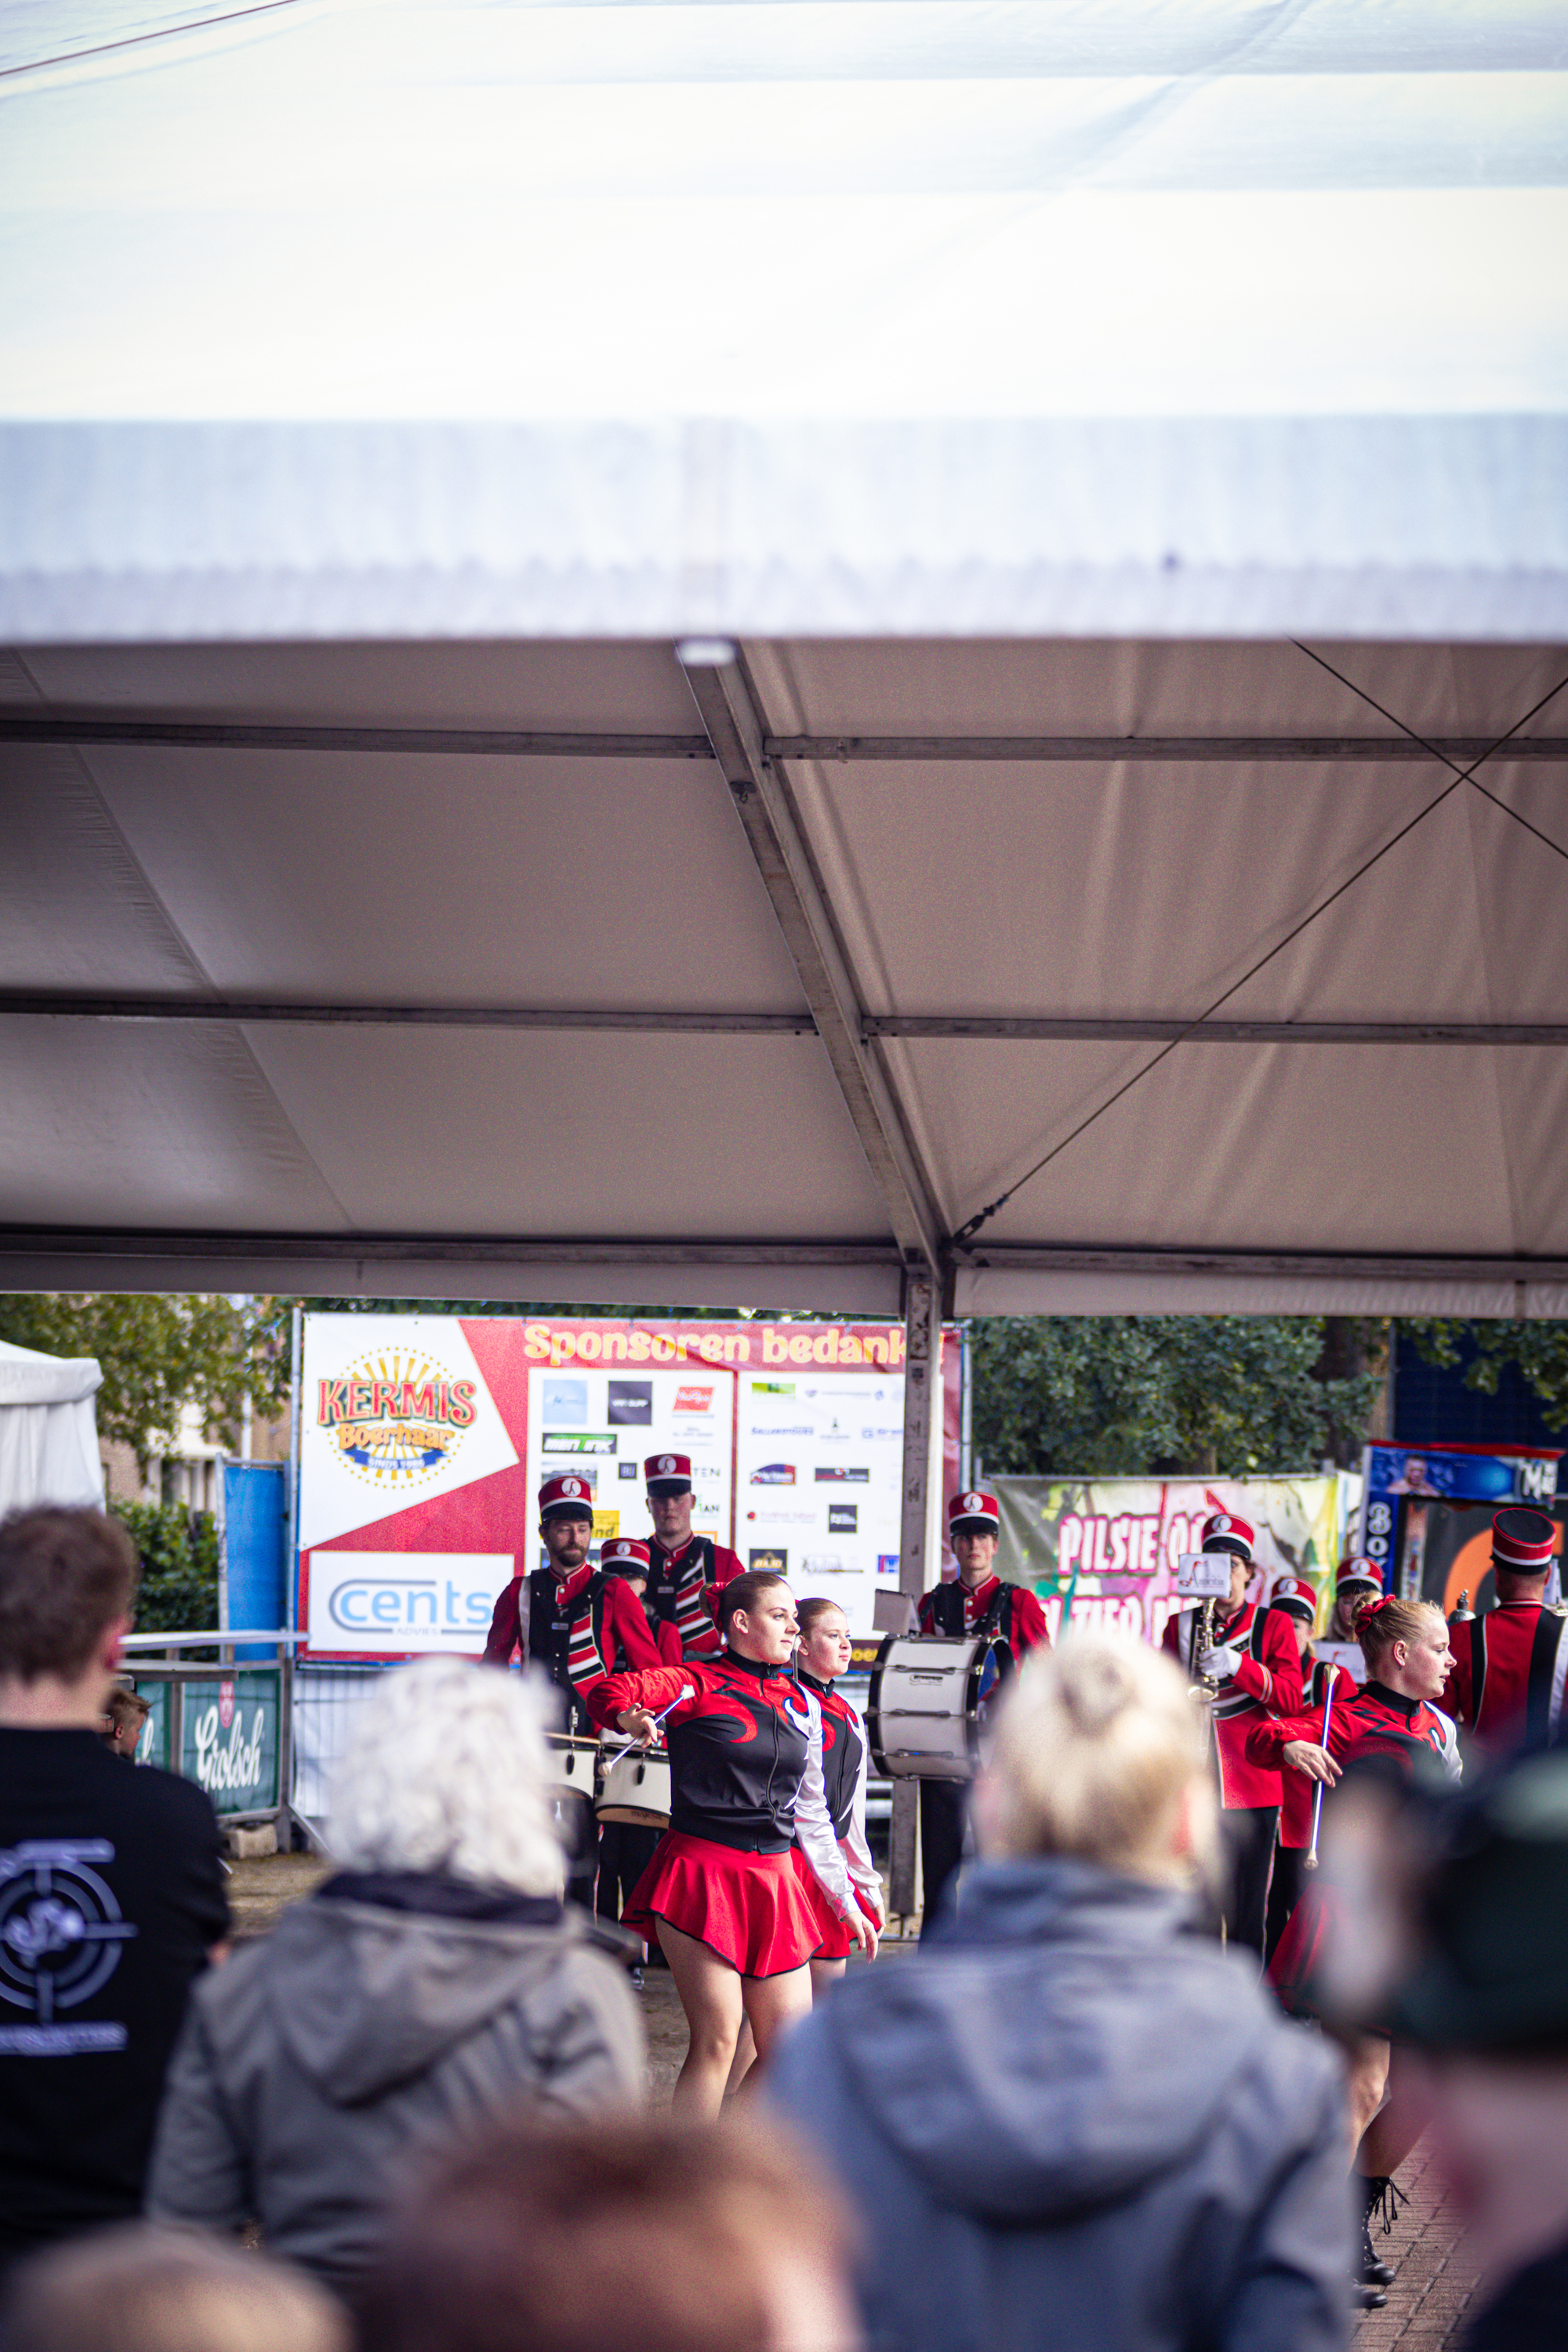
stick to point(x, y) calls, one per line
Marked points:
point(424, 1440)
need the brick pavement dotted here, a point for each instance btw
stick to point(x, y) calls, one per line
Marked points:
point(1435, 2280)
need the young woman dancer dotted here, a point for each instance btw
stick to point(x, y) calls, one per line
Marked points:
point(822, 1657)
point(1405, 1646)
point(721, 1894)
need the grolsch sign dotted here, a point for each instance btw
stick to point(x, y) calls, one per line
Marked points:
point(231, 1741)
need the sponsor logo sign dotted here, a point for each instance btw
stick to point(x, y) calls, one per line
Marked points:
point(627, 1469)
point(392, 1603)
point(775, 1473)
point(770, 1557)
point(888, 1563)
point(825, 1563)
point(773, 1387)
point(842, 1518)
point(231, 1741)
point(395, 1419)
point(834, 1474)
point(881, 1433)
point(781, 1429)
point(631, 1404)
point(561, 1402)
point(777, 1517)
point(560, 1441)
point(690, 1399)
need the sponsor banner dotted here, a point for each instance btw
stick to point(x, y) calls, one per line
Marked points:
point(424, 1440)
point(772, 1558)
point(231, 1746)
point(1420, 1516)
point(1107, 1551)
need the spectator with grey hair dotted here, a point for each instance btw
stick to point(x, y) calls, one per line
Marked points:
point(1069, 2120)
point(433, 1983)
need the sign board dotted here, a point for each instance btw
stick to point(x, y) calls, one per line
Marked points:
point(425, 1439)
point(231, 1746)
point(1420, 1526)
point(1107, 1550)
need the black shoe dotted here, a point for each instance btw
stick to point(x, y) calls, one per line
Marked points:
point(1379, 2195)
point(1375, 2270)
point(1366, 2298)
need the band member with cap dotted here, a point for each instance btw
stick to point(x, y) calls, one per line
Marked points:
point(1358, 1580)
point(687, 1572)
point(1299, 1601)
point(1511, 1662)
point(977, 1602)
point(721, 1894)
point(1255, 1667)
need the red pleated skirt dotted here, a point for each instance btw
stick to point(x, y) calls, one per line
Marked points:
point(837, 1941)
point(1298, 1952)
point(749, 1907)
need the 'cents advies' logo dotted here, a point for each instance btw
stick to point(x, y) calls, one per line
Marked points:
point(395, 1419)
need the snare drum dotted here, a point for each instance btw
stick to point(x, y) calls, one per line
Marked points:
point(636, 1788)
point(926, 1706)
point(570, 1764)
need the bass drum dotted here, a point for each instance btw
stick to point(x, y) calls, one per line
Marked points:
point(926, 1706)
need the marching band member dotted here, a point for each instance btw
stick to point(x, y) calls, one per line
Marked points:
point(1357, 1581)
point(1296, 1597)
point(976, 1603)
point(610, 1635)
point(721, 1894)
point(823, 1657)
point(688, 1572)
point(1406, 1644)
point(1511, 1662)
point(1255, 1664)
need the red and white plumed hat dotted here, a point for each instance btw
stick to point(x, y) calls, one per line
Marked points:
point(626, 1557)
point(568, 1494)
point(1523, 1541)
point(1357, 1573)
point(667, 1474)
point(1294, 1593)
point(973, 1509)
point(1225, 1531)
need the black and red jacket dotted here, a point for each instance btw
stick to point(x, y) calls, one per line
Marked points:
point(950, 1612)
point(738, 1743)
point(1511, 1665)
point(1373, 1721)
point(843, 1752)
point(609, 1631)
point(1268, 1681)
point(683, 1589)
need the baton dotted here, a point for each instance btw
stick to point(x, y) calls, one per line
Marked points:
point(615, 1753)
point(1311, 1860)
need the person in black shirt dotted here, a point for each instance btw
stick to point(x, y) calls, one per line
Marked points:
point(110, 1895)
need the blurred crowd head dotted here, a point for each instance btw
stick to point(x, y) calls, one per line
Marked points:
point(147, 2288)
point(446, 1772)
point(1100, 1754)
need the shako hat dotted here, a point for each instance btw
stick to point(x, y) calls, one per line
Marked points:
point(974, 1512)
point(625, 1556)
point(1224, 1531)
point(1294, 1593)
point(1357, 1574)
point(1523, 1541)
point(667, 1474)
point(567, 1495)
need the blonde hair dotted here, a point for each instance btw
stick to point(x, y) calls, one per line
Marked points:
point(162, 2289)
point(1379, 1623)
point(446, 1771)
point(1097, 1744)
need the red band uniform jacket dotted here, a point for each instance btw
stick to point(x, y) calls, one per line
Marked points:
point(1507, 1683)
point(1296, 1789)
point(683, 1591)
point(1373, 1721)
point(1267, 1682)
point(1010, 1611)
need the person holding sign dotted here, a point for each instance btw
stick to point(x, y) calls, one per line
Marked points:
point(687, 1572)
point(977, 1602)
point(1253, 1671)
point(721, 1894)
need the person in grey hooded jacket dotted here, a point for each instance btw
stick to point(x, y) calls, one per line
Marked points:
point(1070, 2123)
point(435, 1981)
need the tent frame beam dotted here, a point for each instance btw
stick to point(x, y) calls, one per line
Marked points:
point(727, 706)
point(136, 732)
point(73, 1005)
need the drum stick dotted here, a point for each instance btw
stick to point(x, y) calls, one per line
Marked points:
point(1311, 1860)
point(615, 1753)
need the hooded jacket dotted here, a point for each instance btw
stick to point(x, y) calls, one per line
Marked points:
point(1068, 2124)
point(320, 2065)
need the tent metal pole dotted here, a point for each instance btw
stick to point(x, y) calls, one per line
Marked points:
point(725, 700)
point(922, 1383)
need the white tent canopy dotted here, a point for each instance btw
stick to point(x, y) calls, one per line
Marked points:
point(385, 391)
point(48, 1430)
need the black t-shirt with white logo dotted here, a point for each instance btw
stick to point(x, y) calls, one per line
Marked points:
point(110, 1895)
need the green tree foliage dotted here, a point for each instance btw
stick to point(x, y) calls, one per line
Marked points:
point(1135, 1396)
point(1540, 1350)
point(179, 1555)
point(159, 1353)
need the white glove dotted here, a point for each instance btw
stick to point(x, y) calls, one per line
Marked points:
point(1218, 1666)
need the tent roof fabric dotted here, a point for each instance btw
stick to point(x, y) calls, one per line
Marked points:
point(27, 1377)
point(985, 370)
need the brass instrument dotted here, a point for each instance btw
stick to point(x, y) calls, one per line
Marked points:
point(1205, 1688)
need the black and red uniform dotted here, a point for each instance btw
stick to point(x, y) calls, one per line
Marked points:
point(955, 1612)
point(1372, 1721)
point(1506, 1686)
point(683, 1591)
point(739, 1737)
point(1297, 1794)
point(1267, 1682)
point(608, 1634)
point(843, 1769)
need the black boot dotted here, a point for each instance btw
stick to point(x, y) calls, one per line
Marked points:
point(1380, 2195)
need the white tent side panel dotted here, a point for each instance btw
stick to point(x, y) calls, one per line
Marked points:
point(48, 1430)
